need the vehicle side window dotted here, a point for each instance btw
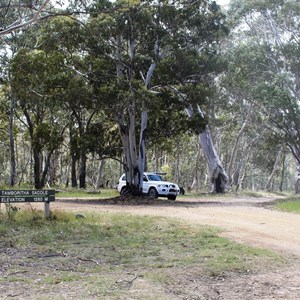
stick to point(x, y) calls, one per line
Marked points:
point(154, 177)
point(145, 178)
point(124, 178)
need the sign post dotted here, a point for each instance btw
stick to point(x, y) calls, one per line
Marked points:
point(25, 196)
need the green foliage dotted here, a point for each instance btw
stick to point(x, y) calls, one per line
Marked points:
point(64, 75)
point(262, 77)
point(171, 27)
point(35, 77)
point(102, 139)
point(242, 8)
point(62, 34)
point(46, 137)
point(4, 112)
point(168, 170)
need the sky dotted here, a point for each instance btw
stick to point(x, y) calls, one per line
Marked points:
point(223, 2)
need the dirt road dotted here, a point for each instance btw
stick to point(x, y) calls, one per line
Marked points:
point(246, 220)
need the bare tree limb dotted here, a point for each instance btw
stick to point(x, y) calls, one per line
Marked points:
point(35, 19)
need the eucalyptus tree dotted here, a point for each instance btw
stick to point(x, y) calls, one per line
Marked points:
point(266, 65)
point(130, 32)
point(5, 136)
point(160, 52)
point(4, 85)
point(16, 15)
point(62, 38)
point(35, 75)
point(66, 35)
point(11, 43)
point(197, 61)
point(90, 130)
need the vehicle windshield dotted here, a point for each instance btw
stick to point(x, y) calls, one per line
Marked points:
point(154, 177)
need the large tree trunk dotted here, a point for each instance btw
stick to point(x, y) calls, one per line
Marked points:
point(39, 174)
point(134, 162)
point(53, 169)
point(135, 158)
point(37, 169)
point(46, 168)
point(73, 171)
point(82, 173)
point(36, 155)
point(218, 176)
point(295, 152)
point(142, 150)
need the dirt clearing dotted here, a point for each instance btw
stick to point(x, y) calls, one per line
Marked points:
point(246, 220)
point(250, 221)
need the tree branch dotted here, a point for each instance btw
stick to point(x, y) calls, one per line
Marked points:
point(27, 23)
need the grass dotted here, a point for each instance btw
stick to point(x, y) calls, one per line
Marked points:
point(105, 253)
point(290, 204)
point(76, 193)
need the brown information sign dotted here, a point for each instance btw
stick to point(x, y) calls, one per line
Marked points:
point(18, 196)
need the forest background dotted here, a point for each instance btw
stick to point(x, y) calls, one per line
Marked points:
point(93, 88)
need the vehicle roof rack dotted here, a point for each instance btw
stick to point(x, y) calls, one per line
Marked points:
point(160, 173)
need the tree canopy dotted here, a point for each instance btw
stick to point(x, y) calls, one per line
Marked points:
point(137, 81)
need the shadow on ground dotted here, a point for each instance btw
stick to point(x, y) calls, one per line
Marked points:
point(199, 202)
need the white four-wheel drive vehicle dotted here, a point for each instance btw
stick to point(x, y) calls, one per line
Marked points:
point(154, 186)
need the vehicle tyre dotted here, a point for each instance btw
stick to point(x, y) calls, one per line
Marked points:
point(153, 193)
point(172, 197)
point(123, 190)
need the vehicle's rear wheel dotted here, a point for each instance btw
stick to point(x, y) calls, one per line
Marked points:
point(172, 197)
point(153, 193)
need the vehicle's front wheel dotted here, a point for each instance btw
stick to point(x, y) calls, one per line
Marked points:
point(172, 197)
point(124, 190)
point(153, 193)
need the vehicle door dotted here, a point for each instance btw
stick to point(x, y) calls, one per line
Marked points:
point(145, 184)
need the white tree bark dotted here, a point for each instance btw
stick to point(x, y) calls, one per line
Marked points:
point(233, 153)
point(218, 176)
point(142, 149)
point(275, 167)
point(18, 24)
point(99, 181)
point(297, 180)
point(134, 151)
